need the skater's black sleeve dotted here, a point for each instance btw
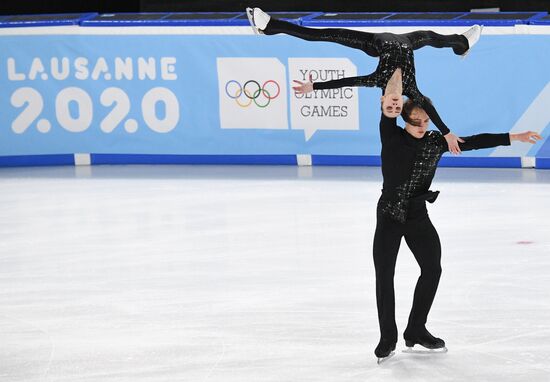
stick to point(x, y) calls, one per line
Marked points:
point(434, 116)
point(483, 141)
point(425, 104)
point(370, 81)
point(388, 128)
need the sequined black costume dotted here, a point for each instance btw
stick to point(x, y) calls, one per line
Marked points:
point(408, 167)
point(394, 50)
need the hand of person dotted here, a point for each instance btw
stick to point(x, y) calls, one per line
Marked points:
point(527, 136)
point(304, 88)
point(452, 141)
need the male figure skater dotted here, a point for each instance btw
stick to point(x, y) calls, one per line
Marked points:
point(409, 160)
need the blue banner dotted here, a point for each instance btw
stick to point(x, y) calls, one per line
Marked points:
point(221, 94)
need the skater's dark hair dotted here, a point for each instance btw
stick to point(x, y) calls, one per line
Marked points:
point(408, 106)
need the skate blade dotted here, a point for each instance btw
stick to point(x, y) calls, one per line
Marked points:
point(423, 350)
point(250, 15)
point(384, 359)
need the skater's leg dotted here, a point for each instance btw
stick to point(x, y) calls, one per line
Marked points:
point(423, 240)
point(349, 38)
point(387, 239)
point(419, 39)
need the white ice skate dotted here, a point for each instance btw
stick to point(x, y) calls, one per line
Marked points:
point(472, 35)
point(426, 342)
point(419, 349)
point(384, 359)
point(384, 350)
point(258, 19)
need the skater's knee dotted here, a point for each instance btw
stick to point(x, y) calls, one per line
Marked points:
point(432, 272)
point(431, 269)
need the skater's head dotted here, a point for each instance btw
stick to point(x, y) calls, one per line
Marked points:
point(392, 100)
point(416, 119)
point(392, 105)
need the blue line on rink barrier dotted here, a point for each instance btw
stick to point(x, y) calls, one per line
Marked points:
point(37, 160)
point(193, 159)
point(186, 19)
point(46, 20)
point(317, 160)
point(382, 19)
point(374, 160)
point(541, 21)
point(419, 19)
point(462, 161)
point(542, 163)
point(345, 160)
point(162, 19)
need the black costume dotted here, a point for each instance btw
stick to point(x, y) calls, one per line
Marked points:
point(408, 167)
point(395, 51)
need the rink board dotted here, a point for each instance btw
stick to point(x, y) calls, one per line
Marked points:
point(175, 95)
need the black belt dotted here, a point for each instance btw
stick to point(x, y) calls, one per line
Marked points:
point(429, 197)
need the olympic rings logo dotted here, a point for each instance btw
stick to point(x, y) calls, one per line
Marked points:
point(251, 91)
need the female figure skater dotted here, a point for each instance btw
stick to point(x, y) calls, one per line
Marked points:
point(409, 161)
point(395, 54)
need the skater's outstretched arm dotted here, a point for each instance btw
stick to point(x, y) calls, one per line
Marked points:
point(486, 140)
point(307, 87)
point(368, 81)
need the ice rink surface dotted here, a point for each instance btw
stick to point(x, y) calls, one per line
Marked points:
point(252, 274)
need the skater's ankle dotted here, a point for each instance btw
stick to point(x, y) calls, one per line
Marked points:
point(414, 330)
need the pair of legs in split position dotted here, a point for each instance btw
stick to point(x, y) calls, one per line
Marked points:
point(365, 41)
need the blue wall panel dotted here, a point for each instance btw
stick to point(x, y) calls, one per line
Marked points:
point(225, 95)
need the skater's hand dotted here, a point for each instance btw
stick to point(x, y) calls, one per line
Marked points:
point(304, 88)
point(528, 137)
point(452, 141)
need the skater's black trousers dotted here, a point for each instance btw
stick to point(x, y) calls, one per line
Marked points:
point(366, 41)
point(423, 241)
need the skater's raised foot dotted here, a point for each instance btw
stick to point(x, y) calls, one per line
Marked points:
point(422, 337)
point(384, 350)
point(258, 19)
point(472, 35)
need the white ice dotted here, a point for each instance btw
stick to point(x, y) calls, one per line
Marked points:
point(252, 274)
